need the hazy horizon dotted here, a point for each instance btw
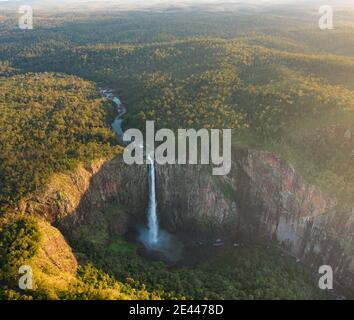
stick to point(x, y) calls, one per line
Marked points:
point(175, 3)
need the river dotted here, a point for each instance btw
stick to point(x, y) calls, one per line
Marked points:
point(122, 110)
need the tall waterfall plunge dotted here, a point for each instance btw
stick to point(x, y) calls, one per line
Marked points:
point(159, 244)
point(153, 224)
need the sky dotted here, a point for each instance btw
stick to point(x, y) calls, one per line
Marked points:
point(166, 3)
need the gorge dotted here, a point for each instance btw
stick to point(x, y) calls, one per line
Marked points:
point(99, 213)
point(262, 200)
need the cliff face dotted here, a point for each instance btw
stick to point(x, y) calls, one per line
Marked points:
point(79, 196)
point(284, 208)
point(262, 199)
point(191, 200)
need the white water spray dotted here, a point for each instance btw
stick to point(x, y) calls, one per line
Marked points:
point(153, 225)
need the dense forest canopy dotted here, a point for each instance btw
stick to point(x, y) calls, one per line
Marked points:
point(273, 77)
point(48, 123)
point(278, 80)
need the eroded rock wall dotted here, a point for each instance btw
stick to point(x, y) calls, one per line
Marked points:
point(262, 199)
point(281, 206)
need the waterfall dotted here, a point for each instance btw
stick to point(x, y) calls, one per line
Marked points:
point(153, 226)
point(157, 240)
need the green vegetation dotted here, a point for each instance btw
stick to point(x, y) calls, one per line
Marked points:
point(22, 241)
point(275, 79)
point(269, 78)
point(222, 273)
point(19, 242)
point(245, 272)
point(96, 284)
point(48, 124)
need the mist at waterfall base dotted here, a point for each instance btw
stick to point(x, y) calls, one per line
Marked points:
point(167, 248)
point(158, 243)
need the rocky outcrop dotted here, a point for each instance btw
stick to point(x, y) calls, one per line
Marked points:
point(74, 197)
point(54, 254)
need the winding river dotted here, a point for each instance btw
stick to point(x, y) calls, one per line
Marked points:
point(118, 121)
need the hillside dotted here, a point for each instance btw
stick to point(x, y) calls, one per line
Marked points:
point(48, 124)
